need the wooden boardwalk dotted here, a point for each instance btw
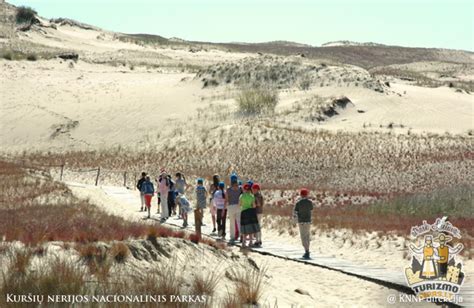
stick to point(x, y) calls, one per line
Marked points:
point(379, 275)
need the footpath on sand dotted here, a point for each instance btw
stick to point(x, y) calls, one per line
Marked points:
point(123, 202)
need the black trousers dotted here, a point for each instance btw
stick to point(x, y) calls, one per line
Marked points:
point(220, 219)
point(171, 204)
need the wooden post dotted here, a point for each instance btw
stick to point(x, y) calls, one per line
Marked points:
point(125, 179)
point(198, 222)
point(97, 178)
point(61, 175)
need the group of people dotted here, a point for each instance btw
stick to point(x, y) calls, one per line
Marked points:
point(170, 195)
point(240, 203)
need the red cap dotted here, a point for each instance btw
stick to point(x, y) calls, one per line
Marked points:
point(256, 186)
point(246, 186)
point(304, 192)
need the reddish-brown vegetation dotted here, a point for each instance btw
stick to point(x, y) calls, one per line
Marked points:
point(35, 209)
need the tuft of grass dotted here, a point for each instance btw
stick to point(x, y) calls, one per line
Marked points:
point(64, 277)
point(248, 284)
point(257, 101)
point(205, 284)
point(164, 280)
point(230, 301)
point(96, 260)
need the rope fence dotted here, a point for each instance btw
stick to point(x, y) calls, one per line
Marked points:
point(96, 176)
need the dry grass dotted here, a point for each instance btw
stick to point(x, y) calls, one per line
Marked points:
point(257, 100)
point(230, 301)
point(164, 280)
point(205, 283)
point(120, 252)
point(96, 259)
point(60, 277)
point(286, 157)
point(20, 260)
point(248, 285)
point(63, 274)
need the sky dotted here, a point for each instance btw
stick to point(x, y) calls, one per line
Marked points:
point(413, 23)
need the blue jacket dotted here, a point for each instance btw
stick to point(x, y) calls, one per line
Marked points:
point(147, 188)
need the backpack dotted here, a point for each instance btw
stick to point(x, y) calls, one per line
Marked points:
point(148, 188)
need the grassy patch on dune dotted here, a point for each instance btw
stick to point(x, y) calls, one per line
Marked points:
point(36, 209)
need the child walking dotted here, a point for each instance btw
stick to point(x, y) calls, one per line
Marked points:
point(185, 207)
point(148, 191)
point(180, 182)
point(248, 217)
point(259, 209)
point(220, 200)
point(201, 196)
point(302, 212)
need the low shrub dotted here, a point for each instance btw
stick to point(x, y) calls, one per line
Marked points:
point(257, 100)
point(25, 14)
point(32, 57)
point(7, 56)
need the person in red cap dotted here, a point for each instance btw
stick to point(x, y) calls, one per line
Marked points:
point(259, 209)
point(302, 213)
